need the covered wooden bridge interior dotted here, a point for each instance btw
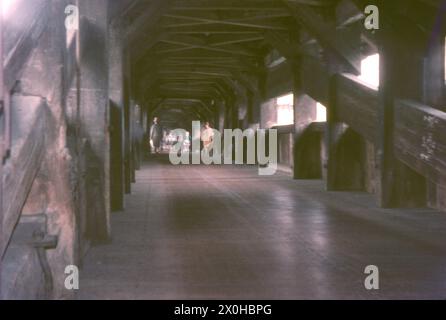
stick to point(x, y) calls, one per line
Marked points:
point(81, 81)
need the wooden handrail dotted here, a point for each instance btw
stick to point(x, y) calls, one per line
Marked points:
point(21, 171)
point(357, 105)
point(420, 140)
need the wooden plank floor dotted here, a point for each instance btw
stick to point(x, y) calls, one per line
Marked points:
point(223, 232)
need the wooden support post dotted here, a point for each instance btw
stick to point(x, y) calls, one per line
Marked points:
point(137, 138)
point(235, 113)
point(228, 114)
point(333, 132)
point(216, 116)
point(255, 109)
point(434, 72)
point(1, 139)
point(334, 128)
point(220, 125)
point(399, 186)
point(304, 115)
point(95, 110)
point(127, 148)
point(116, 93)
point(132, 139)
point(249, 107)
point(127, 132)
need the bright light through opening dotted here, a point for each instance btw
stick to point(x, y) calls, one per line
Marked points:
point(6, 6)
point(285, 100)
point(370, 70)
point(285, 111)
point(321, 113)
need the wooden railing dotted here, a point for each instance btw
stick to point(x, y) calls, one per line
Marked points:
point(18, 41)
point(420, 139)
point(419, 130)
point(357, 105)
point(27, 153)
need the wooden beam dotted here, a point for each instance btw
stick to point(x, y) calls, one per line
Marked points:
point(189, 43)
point(152, 63)
point(147, 20)
point(231, 61)
point(245, 80)
point(2, 137)
point(235, 41)
point(326, 34)
point(212, 70)
point(213, 30)
point(195, 72)
point(210, 20)
point(31, 23)
point(227, 66)
point(182, 95)
point(278, 81)
point(288, 49)
point(141, 46)
point(214, 84)
point(395, 21)
point(270, 26)
point(195, 43)
point(315, 79)
point(119, 9)
point(189, 88)
point(221, 5)
point(246, 5)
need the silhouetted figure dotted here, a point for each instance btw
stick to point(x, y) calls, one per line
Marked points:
point(156, 134)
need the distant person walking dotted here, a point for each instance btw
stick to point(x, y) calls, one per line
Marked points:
point(207, 136)
point(156, 134)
